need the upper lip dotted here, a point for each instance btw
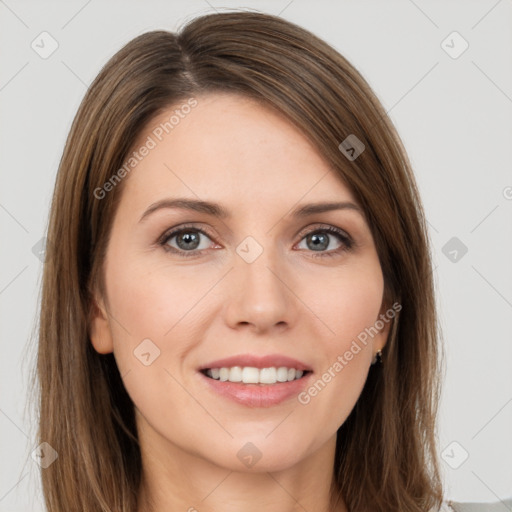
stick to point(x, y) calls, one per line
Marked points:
point(258, 361)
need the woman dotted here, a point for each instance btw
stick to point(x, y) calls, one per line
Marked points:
point(239, 312)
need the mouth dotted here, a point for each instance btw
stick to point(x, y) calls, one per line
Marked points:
point(256, 376)
point(256, 380)
point(256, 387)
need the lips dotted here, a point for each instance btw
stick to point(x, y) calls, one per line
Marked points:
point(252, 394)
point(267, 361)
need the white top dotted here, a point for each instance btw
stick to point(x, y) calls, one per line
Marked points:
point(455, 506)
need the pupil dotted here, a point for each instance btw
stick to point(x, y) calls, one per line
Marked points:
point(189, 238)
point(319, 244)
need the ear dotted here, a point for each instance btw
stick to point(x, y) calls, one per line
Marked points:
point(99, 328)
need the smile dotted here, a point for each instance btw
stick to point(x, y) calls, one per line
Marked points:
point(252, 375)
point(251, 393)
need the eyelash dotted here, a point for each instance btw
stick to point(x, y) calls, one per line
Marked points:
point(347, 242)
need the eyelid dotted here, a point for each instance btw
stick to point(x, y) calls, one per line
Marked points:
point(182, 227)
point(319, 226)
point(345, 237)
point(302, 232)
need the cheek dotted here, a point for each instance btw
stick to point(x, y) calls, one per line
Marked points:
point(350, 307)
point(143, 307)
point(152, 302)
point(349, 303)
point(163, 305)
point(152, 335)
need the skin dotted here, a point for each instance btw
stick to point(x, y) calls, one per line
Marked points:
point(236, 152)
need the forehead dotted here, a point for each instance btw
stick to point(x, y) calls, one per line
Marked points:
point(233, 150)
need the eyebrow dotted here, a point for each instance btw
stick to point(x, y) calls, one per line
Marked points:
point(216, 210)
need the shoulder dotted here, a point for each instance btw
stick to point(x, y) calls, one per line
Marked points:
point(457, 506)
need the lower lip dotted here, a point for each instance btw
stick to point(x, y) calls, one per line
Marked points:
point(256, 395)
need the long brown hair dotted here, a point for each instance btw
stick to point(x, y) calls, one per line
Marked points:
point(386, 456)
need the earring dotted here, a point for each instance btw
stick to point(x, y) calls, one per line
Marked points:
point(378, 357)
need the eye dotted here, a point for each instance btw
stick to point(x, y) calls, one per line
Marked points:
point(319, 239)
point(187, 240)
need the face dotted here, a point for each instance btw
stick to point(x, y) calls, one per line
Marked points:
point(262, 285)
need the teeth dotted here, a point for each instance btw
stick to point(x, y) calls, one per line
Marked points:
point(235, 374)
point(269, 375)
point(251, 375)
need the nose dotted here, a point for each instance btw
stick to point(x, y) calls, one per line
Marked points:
point(261, 295)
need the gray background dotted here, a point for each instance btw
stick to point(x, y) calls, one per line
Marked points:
point(453, 114)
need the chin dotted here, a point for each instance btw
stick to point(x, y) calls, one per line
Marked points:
point(253, 454)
